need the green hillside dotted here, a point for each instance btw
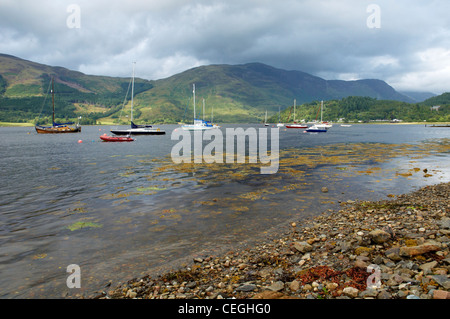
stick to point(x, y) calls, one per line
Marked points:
point(24, 88)
point(242, 93)
point(365, 109)
point(235, 93)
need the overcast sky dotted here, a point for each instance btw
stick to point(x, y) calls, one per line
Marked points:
point(403, 42)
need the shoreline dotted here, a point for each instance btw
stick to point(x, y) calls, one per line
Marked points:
point(27, 124)
point(399, 245)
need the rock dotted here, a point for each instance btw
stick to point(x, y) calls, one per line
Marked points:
point(444, 222)
point(242, 266)
point(442, 280)
point(428, 266)
point(441, 294)
point(276, 286)
point(384, 295)
point(361, 264)
point(331, 286)
point(191, 284)
point(369, 293)
point(417, 250)
point(345, 246)
point(350, 292)
point(302, 246)
point(246, 287)
point(393, 254)
point(379, 236)
point(294, 285)
point(131, 294)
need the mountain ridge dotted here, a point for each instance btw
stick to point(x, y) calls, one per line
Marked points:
point(238, 93)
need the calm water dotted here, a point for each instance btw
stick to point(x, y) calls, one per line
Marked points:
point(141, 212)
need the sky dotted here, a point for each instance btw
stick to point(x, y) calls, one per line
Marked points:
point(403, 42)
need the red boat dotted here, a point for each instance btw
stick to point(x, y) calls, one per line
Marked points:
point(107, 138)
point(296, 125)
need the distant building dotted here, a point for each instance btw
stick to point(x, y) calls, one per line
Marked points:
point(435, 108)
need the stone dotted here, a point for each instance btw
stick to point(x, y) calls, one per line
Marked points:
point(191, 284)
point(442, 280)
point(360, 263)
point(444, 222)
point(294, 285)
point(379, 236)
point(276, 286)
point(302, 246)
point(441, 294)
point(384, 295)
point(331, 286)
point(369, 293)
point(446, 260)
point(131, 294)
point(417, 250)
point(393, 254)
point(345, 246)
point(246, 287)
point(351, 292)
point(428, 266)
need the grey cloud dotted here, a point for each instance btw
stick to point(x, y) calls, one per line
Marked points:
point(325, 38)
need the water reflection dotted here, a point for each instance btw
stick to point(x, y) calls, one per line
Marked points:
point(119, 211)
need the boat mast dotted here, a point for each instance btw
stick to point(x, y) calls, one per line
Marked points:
point(321, 111)
point(132, 92)
point(193, 92)
point(294, 109)
point(203, 109)
point(53, 103)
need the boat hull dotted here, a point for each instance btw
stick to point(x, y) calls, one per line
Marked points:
point(139, 132)
point(296, 126)
point(106, 138)
point(316, 129)
point(197, 127)
point(57, 129)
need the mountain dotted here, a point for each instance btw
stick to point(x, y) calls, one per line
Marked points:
point(238, 93)
point(24, 86)
point(22, 78)
point(418, 97)
point(242, 93)
point(443, 99)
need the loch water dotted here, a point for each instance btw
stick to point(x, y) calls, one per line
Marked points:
point(124, 210)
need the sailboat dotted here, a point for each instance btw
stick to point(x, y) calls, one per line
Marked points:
point(279, 124)
point(199, 125)
point(321, 126)
point(57, 127)
point(265, 120)
point(135, 128)
point(295, 124)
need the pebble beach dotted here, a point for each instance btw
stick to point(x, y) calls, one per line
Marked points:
point(396, 248)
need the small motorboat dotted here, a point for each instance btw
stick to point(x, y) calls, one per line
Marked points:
point(107, 138)
point(316, 129)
